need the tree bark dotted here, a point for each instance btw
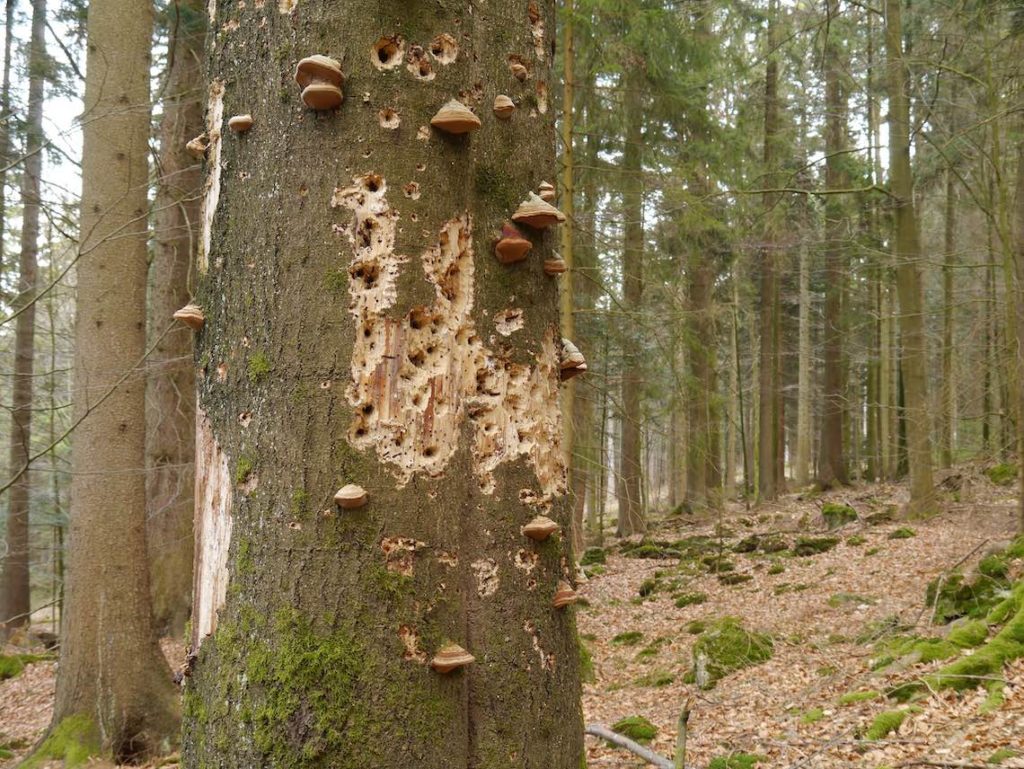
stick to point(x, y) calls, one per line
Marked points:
point(631, 512)
point(831, 462)
point(114, 691)
point(170, 394)
point(6, 118)
point(16, 607)
point(947, 419)
point(1019, 288)
point(907, 255)
point(358, 332)
point(802, 462)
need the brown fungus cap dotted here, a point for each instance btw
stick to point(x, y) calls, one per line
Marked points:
point(540, 528)
point(191, 315)
point(512, 246)
point(537, 213)
point(451, 657)
point(350, 496)
point(455, 118)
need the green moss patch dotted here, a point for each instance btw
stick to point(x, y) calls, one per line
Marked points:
point(955, 596)
point(649, 549)
point(74, 741)
point(904, 532)
point(636, 728)
point(651, 649)
point(259, 367)
point(837, 515)
point(808, 546)
point(696, 626)
point(812, 716)
point(12, 665)
point(1003, 754)
point(852, 698)
point(777, 568)
point(885, 724)
point(726, 646)
point(736, 761)
point(1003, 474)
point(855, 541)
point(587, 672)
point(683, 600)
point(846, 599)
point(656, 680)
point(592, 556)
point(968, 633)
point(734, 578)
point(629, 638)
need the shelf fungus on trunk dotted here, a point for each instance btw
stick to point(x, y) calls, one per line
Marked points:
point(564, 595)
point(546, 192)
point(240, 123)
point(512, 246)
point(321, 79)
point(555, 264)
point(537, 213)
point(503, 106)
point(572, 362)
point(191, 315)
point(350, 496)
point(451, 657)
point(455, 118)
point(540, 528)
point(197, 147)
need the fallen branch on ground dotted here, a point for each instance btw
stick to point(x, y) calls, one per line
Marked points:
point(648, 755)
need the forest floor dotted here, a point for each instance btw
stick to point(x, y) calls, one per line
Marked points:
point(827, 614)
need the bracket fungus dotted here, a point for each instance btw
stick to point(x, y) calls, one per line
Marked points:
point(572, 362)
point(321, 79)
point(455, 118)
point(540, 528)
point(537, 213)
point(546, 192)
point(451, 657)
point(240, 123)
point(191, 315)
point(197, 147)
point(350, 497)
point(503, 106)
point(555, 264)
point(564, 595)
point(512, 246)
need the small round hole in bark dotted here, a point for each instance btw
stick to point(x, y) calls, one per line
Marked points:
point(387, 52)
point(444, 48)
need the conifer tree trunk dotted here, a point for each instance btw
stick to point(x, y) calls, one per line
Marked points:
point(907, 255)
point(114, 690)
point(5, 126)
point(831, 462)
point(802, 461)
point(1019, 287)
point(359, 331)
point(16, 606)
point(170, 393)
point(768, 400)
point(631, 513)
point(947, 411)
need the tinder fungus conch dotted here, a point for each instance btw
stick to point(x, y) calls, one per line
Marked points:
point(197, 147)
point(350, 497)
point(540, 528)
point(191, 315)
point(503, 106)
point(321, 79)
point(555, 265)
point(572, 362)
point(240, 123)
point(546, 192)
point(564, 595)
point(451, 657)
point(455, 118)
point(537, 213)
point(512, 247)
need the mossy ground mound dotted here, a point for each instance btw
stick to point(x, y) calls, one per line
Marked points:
point(1003, 474)
point(736, 761)
point(636, 728)
point(726, 646)
point(12, 665)
point(837, 515)
point(885, 724)
point(593, 556)
point(808, 546)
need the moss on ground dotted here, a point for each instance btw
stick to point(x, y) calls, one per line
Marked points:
point(74, 741)
point(12, 665)
point(855, 541)
point(636, 728)
point(852, 698)
point(1003, 474)
point(837, 515)
point(656, 680)
point(649, 549)
point(812, 716)
point(629, 638)
point(592, 556)
point(736, 761)
point(903, 532)
point(968, 633)
point(808, 546)
point(734, 578)
point(696, 626)
point(726, 646)
point(954, 596)
point(885, 724)
point(690, 599)
point(1003, 754)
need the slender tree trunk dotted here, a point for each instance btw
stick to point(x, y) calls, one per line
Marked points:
point(907, 255)
point(768, 411)
point(947, 411)
point(831, 462)
point(1019, 288)
point(170, 392)
point(352, 322)
point(631, 513)
point(114, 691)
point(6, 118)
point(802, 462)
point(16, 608)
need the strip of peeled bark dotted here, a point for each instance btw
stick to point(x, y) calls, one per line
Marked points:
point(359, 330)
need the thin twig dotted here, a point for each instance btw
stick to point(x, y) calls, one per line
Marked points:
point(648, 755)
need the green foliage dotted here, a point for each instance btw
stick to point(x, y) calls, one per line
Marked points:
point(1003, 474)
point(777, 568)
point(808, 546)
point(855, 541)
point(647, 588)
point(852, 698)
point(904, 532)
point(690, 599)
point(953, 596)
point(629, 638)
point(837, 515)
point(636, 728)
point(74, 741)
point(812, 716)
point(736, 761)
point(12, 665)
point(885, 724)
point(592, 556)
point(651, 649)
point(696, 626)
point(726, 646)
point(1001, 755)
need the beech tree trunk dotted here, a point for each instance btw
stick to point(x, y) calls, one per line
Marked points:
point(170, 392)
point(5, 126)
point(16, 607)
point(631, 511)
point(114, 690)
point(1019, 287)
point(907, 256)
point(802, 461)
point(947, 412)
point(831, 462)
point(359, 330)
